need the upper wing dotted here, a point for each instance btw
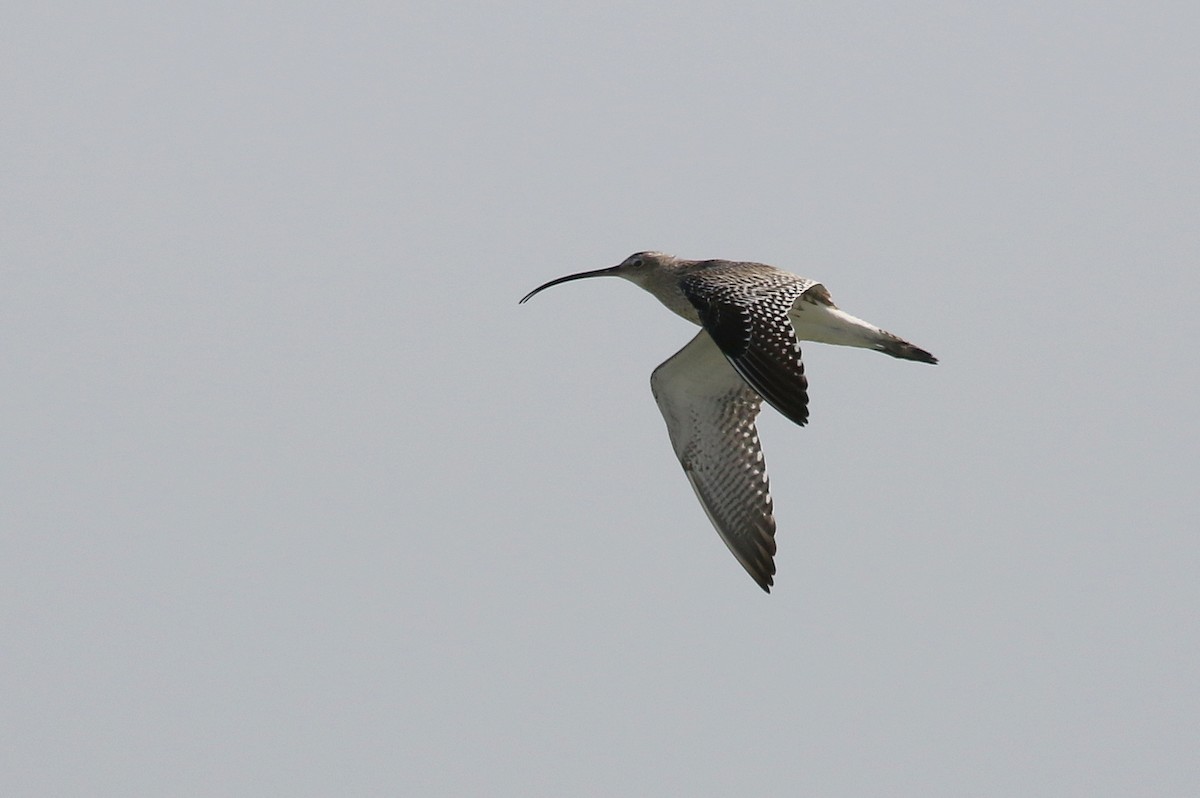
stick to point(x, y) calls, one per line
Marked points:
point(710, 414)
point(747, 316)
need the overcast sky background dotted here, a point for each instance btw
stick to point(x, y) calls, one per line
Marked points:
point(298, 501)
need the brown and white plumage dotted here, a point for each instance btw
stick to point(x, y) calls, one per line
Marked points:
point(753, 317)
point(710, 413)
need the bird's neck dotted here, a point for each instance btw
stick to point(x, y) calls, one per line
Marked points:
point(664, 285)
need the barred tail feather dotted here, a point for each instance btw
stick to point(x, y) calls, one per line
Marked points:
point(814, 320)
point(898, 347)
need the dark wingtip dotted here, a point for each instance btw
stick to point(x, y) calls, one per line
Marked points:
point(795, 410)
point(761, 570)
point(764, 574)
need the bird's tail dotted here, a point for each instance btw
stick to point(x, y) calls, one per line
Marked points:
point(897, 347)
point(828, 324)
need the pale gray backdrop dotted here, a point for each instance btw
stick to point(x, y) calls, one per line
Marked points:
point(298, 501)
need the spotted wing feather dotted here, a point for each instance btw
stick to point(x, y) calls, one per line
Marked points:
point(710, 413)
point(745, 307)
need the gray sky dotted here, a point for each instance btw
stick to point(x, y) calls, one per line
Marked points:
point(298, 501)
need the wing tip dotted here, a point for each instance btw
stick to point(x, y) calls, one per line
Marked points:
point(757, 561)
point(762, 571)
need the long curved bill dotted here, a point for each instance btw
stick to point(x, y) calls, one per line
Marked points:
point(569, 278)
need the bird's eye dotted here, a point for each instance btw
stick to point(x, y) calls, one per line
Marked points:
point(636, 263)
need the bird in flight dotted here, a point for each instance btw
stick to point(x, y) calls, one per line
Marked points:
point(753, 317)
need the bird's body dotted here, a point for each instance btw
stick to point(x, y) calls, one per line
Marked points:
point(753, 316)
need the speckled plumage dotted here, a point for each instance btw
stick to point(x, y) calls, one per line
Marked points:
point(753, 317)
point(710, 413)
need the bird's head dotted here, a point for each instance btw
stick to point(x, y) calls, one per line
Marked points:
point(636, 268)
